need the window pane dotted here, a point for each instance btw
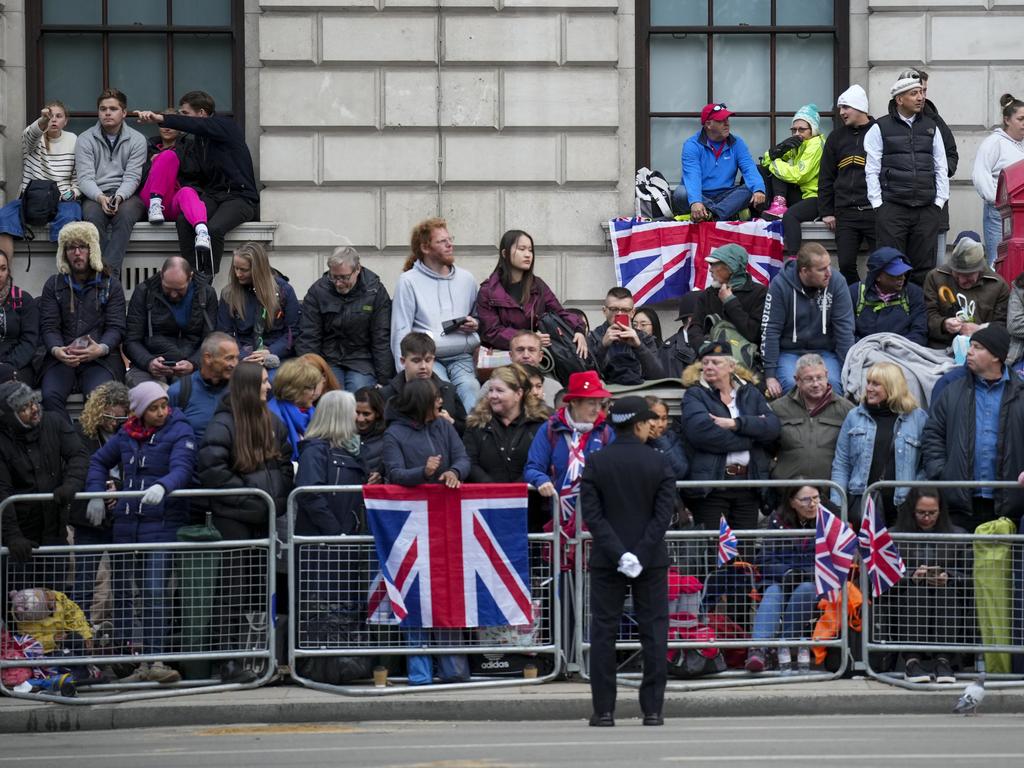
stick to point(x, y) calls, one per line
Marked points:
point(72, 12)
point(806, 13)
point(741, 72)
point(138, 66)
point(756, 13)
point(73, 71)
point(202, 13)
point(679, 13)
point(79, 125)
point(203, 63)
point(667, 137)
point(671, 57)
point(803, 71)
point(753, 131)
point(136, 11)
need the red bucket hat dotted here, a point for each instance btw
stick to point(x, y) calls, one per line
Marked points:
point(585, 384)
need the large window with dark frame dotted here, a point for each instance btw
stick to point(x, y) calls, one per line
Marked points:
point(763, 58)
point(152, 50)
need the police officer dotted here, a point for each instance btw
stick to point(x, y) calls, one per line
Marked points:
point(627, 495)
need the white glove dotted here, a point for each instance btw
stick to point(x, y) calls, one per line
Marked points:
point(629, 565)
point(96, 511)
point(154, 494)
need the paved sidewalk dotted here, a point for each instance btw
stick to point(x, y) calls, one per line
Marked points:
point(552, 701)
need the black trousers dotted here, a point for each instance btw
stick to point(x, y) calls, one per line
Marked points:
point(224, 213)
point(739, 506)
point(241, 584)
point(650, 601)
point(914, 231)
point(854, 227)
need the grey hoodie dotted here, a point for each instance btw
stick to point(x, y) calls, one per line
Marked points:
point(424, 300)
point(102, 169)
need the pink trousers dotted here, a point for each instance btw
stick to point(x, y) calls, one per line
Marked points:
point(163, 182)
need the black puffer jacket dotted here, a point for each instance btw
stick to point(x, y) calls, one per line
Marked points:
point(19, 328)
point(498, 453)
point(152, 330)
point(38, 460)
point(351, 330)
point(95, 309)
point(216, 470)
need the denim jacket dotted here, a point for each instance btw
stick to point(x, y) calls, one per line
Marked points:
point(856, 444)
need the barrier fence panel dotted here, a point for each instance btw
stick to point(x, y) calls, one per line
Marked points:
point(723, 601)
point(338, 642)
point(961, 601)
point(103, 623)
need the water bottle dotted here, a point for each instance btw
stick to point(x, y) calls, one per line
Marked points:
point(803, 660)
point(785, 662)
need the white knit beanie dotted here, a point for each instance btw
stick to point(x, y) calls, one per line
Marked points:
point(855, 97)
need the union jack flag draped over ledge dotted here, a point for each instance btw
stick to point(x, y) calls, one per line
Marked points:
point(662, 260)
point(835, 545)
point(452, 558)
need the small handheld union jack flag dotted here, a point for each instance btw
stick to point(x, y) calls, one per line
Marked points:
point(881, 558)
point(727, 544)
point(835, 545)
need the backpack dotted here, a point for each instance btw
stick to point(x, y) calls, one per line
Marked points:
point(338, 626)
point(39, 202)
point(561, 359)
point(744, 350)
point(653, 196)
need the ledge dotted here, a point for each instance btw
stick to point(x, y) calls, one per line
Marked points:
point(813, 230)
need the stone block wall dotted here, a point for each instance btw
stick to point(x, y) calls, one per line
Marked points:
point(496, 114)
point(971, 51)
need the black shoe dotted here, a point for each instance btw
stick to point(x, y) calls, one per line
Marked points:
point(944, 672)
point(654, 719)
point(913, 672)
point(233, 672)
point(603, 720)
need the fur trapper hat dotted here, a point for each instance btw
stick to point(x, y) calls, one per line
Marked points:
point(79, 232)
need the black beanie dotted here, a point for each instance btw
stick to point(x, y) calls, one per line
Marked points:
point(995, 338)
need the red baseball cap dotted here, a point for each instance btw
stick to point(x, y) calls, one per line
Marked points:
point(714, 112)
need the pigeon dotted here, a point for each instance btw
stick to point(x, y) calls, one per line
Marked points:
point(972, 697)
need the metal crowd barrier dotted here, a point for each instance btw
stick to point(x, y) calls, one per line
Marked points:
point(330, 580)
point(962, 596)
point(694, 553)
point(218, 605)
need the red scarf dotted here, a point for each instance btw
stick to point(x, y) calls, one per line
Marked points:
point(137, 430)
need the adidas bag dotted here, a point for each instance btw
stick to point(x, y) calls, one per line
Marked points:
point(653, 196)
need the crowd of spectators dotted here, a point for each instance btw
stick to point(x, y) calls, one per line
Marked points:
point(257, 389)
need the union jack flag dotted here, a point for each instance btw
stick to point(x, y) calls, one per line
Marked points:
point(728, 547)
point(835, 546)
point(662, 260)
point(452, 558)
point(878, 551)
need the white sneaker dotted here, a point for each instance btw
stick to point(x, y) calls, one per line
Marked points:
point(203, 243)
point(156, 210)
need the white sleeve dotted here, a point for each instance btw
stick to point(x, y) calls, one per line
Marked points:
point(983, 174)
point(403, 310)
point(873, 164)
point(941, 169)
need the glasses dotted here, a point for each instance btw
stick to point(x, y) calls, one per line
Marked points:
point(799, 130)
point(717, 108)
point(617, 310)
point(445, 241)
point(113, 417)
point(805, 500)
point(814, 379)
point(76, 247)
point(343, 278)
point(926, 512)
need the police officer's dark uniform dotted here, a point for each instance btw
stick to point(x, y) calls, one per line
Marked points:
point(627, 497)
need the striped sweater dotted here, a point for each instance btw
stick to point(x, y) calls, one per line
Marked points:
point(56, 163)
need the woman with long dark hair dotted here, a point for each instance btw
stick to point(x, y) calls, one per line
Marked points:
point(19, 323)
point(513, 298)
point(245, 446)
point(419, 447)
point(371, 425)
point(258, 308)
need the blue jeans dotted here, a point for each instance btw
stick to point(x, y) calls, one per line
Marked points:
point(353, 380)
point(461, 372)
point(992, 230)
point(10, 218)
point(150, 572)
point(787, 367)
point(86, 565)
point(796, 613)
point(725, 204)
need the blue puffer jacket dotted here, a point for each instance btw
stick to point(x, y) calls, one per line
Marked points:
point(548, 459)
point(856, 444)
point(280, 339)
point(328, 514)
point(408, 445)
point(782, 556)
point(167, 458)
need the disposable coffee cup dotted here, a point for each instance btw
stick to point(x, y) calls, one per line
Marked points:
point(530, 671)
point(380, 677)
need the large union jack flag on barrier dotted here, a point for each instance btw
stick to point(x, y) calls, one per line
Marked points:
point(453, 558)
point(835, 545)
point(662, 260)
point(878, 551)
